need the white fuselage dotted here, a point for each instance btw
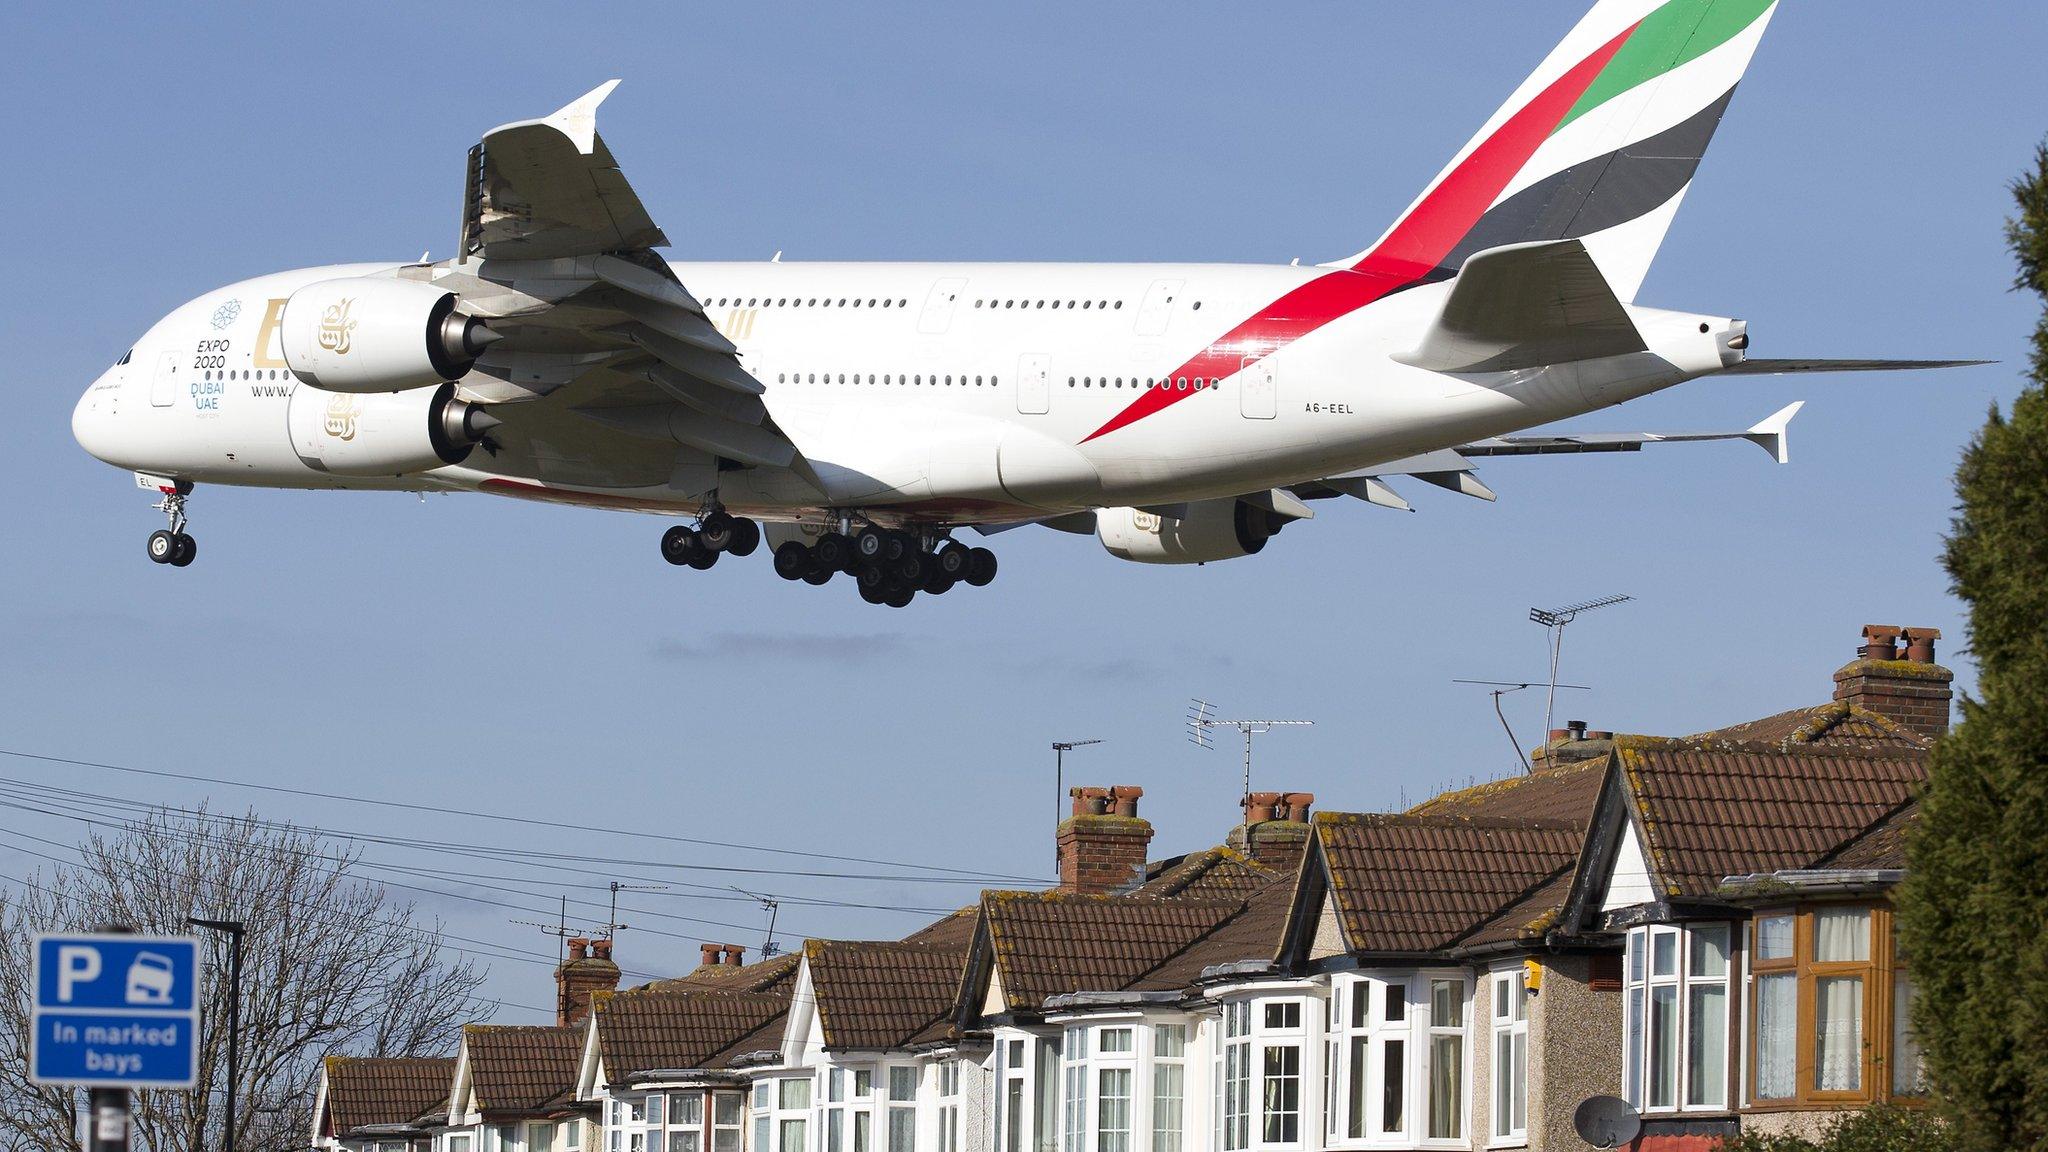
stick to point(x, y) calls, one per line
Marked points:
point(942, 393)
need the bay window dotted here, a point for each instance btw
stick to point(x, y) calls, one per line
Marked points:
point(1169, 1085)
point(1280, 1071)
point(1511, 1055)
point(901, 1128)
point(782, 1114)
point(1234, 1078)
point(1675, 1018)
point(728, 1116)
point(1075, 1128)
point(1446, 1059)
point(1831, 1009)
point(949, 1106)
point(1397, 1049)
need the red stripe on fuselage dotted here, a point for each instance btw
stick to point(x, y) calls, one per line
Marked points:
point(1410, 252)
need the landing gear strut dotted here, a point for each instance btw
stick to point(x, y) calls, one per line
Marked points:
point(173, 545)
point(718, 533)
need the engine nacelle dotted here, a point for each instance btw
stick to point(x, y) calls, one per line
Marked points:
point(1212, 530)
point(384, 433)
point(364, 334)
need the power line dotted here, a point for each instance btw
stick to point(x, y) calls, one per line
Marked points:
point(527, 820)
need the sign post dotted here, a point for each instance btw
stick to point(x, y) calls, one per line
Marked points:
point(113, 1012)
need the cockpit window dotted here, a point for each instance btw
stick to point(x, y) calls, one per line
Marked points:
point(125, 357)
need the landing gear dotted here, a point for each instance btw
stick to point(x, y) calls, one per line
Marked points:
point(173, 545)
point(888, 565)
point(718, 533)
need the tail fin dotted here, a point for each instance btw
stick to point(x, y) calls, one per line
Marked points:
point(1599, 145)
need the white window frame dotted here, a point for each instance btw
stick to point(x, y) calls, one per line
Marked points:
point(769, 1111)
point(1508, 1013)
point(1153, 1136)
point(946, 1087)
point(1641, 982)
point(888, 1105)
point(1361, 1035)
point(738, 1127)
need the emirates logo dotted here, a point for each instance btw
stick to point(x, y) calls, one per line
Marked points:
point(336, 328)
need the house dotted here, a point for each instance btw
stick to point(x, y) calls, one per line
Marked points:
point(515, 1091)
point(366, 1104)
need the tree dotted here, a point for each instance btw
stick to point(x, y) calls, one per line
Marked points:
point(1975, 903)
point(330, 964)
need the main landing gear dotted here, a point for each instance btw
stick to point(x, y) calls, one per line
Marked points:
point(890, 566)
point(714, 536)
point(173, 545)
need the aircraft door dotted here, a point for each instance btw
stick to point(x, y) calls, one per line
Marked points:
point(1258, 388)
point(1157, 308)
point(938, 306)
point(163, 387)
point(1034, 383)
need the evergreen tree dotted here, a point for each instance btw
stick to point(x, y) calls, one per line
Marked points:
point(1974, 909)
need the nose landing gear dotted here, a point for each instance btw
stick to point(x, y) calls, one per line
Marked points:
point(173, 545)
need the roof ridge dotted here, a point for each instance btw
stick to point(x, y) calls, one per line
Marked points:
point(1413, 819)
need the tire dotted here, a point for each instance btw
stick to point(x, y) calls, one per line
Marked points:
point(718, 532)
point(188, 550)
point(953, 559)
point(938, 583)
point(900, 597)
point(872, 595)
point(981, 567)
point(874, 579)
point(819, 575)
point(746, 537)
point(792, 561)
point(703, 558)
point(833, 551)
point(897, 545)
point(677, 545)
point(162, 546)
point(872, 544)
point(913, 569)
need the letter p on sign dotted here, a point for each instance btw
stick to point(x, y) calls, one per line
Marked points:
point(76, 964)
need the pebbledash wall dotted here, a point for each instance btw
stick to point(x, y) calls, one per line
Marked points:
point(1616, 944)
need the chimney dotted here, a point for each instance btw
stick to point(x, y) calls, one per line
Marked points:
point(712, 955)
point(1906, 687)
point(1574, 743)
point(587, 971)
point(1102, 845)
point(1274, 831)
point(733, 956)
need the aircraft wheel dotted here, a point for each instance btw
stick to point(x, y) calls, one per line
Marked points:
point(678, 544)
point(953, 559)
point(981, 567)
point(897, 545)
point(913, 568)
point(792, 560)
point(872, 545)
point(819, 575)
point(163, 546)
point(900, 597)
point(718, 531)
point(746, 537)
point(938, 583)
point(187, 551)
point(833, 551)
point(872, 578)
point(703, 559)
point(873, 595)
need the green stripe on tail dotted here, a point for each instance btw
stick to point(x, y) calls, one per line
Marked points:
point(1676, 34)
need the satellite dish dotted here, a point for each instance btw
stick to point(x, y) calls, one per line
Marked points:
point(1606, 1121)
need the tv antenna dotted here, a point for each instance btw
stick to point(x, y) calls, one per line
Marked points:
point(560, 929)
point(1202, 718)
point(1555, 619)
point(611, 929)
point(769, 905)
point(1060, 748)
point(1506, 688)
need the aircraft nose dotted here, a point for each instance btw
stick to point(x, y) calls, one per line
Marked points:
point(92, 421)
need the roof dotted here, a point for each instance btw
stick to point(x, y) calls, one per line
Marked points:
point(649, 1029)
point(1833, 725)
point(1423, 883)
point(954, 930)
point(775, 974)
point(1562, 794)
point(520, 1068)
point(363, 1090)
point(1214, 874)
point(876, 995)
point(1050, 943)
point(1882, 846)
point(1712, 810)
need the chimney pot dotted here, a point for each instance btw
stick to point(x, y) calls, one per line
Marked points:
point(711, 954)
point(1089, 801)
point(1577, 728)
point(601, 949)
point(1098, 855)
point(1880, 642)
point(579, 947)
point(735, 956)
point(1920, 644)
point(1124, 799)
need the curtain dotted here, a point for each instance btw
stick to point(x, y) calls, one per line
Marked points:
point(1841, 934)
point(1706, 1054)
point(1909, 1070)
point(1838, 1034)
point(1446, 1087)
point(1777, 1036)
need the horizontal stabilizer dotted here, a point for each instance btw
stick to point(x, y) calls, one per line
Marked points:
point(1788, 367)
point(1523, 306)
point(1768, 435)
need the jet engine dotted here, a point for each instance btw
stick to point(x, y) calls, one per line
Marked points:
point(384, 433)
point(364, 334)
point(1210, 530)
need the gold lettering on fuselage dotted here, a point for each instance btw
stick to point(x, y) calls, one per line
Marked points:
point(267, 335)
point(739, 323)
point(336, 328)
point(341, 417)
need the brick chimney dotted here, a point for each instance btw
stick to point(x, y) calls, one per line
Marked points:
point(1895, 676)
point(1275, 829)
point(587, 972)
point(1102, 845)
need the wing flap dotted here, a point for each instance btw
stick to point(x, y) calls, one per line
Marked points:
point(1526, 305)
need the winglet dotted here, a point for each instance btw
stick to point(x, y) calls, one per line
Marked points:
point(1771, 436)
point(578, 121)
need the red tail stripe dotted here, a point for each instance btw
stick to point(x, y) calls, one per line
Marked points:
point(1411, 251)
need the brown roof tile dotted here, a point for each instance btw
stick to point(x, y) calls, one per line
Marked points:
point(380, 1090)
point(1423, 883)
point(882, 994)
point(1713, 810)
point(1051, 943)
point(518, 1069)
point(1883, 846)
point(775, 974)
point(1564, 794)
point(645, 1030)
point(951, 931)
point(1833, 725)
point(1214, 874)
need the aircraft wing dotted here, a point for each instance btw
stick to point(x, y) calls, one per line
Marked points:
point(1452, 468)
point(557, 249)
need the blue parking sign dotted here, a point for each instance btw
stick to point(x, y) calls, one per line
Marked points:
point(115, 1011)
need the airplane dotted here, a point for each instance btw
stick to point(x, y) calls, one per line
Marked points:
point(858, 416)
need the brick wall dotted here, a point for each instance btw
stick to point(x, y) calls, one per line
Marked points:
point(1100, 853)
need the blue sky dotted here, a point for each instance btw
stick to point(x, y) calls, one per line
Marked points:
point(469, 654)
